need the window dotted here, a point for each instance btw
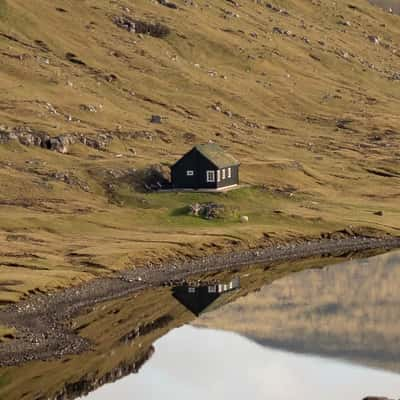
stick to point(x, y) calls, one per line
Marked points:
point(192, 290)
point(218, 176)
point(189, 173)
point(212, 289)
point(229, 172)
point(210, 176)
point(223, 174)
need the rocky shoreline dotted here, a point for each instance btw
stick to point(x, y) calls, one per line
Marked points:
point(43, 322)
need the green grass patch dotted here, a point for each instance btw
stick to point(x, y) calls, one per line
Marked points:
point(3, 8)
point(4, 380)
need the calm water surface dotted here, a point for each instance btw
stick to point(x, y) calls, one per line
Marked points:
point(196, 363)
point(387, 4)
point(318, 334)
point(321, 333)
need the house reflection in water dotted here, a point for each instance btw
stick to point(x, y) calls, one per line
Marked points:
point(202, 296)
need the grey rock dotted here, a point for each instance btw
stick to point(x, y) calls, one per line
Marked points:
point(374, 39)
point(156, 119)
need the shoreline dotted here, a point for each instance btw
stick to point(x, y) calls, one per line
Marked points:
point(43, 321)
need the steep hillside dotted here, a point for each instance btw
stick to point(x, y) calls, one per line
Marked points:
point(305, 93)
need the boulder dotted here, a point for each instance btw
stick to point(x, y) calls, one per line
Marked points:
point(141, 27)
point(374, 39)
point(156, 119)
point(208, 210)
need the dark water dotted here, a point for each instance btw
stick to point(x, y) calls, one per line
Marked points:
point(322, 333)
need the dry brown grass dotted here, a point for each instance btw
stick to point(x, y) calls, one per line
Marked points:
point(286, 94)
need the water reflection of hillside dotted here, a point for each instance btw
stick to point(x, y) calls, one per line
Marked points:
point(386, 4)
point(122, 332)
point(350, 310)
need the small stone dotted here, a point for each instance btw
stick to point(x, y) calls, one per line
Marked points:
point(244, 219)
point(155, 119)
point(374, 39)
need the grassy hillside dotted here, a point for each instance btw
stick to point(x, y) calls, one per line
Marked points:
point(303, 93)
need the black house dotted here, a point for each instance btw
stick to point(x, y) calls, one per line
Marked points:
point(202, 297)
point(206, 166)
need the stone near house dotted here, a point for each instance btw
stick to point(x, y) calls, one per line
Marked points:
point(207, 210)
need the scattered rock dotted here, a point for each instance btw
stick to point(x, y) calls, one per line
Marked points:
point(168, 4)
point(29, 137)
point(343, 123)
point(189, 137)
point(244, 219)
point(374, 39)
point(152, 178)
point(208, 210)
point(140, 27)
point(74, 59)
point(229, 14)
point(379, 213)
point(156, 119)
point(70, 179)
point(88, 108)
point(277, 9)
point(395, 76)
point(281, 31)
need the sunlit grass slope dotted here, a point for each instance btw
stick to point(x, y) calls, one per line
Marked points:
point(301, 92)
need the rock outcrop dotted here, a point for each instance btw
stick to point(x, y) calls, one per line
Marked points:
point(61, 143)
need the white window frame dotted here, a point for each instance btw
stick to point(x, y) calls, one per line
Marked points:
point(212, 289)
point(229, 172)
point(191, 289)
point(218, 176)
point(189, 172)
point(223, 174)
point(210, 176)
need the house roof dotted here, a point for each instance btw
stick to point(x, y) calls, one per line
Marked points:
point(216, 155)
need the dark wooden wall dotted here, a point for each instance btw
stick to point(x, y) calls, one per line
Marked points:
point(196, 162)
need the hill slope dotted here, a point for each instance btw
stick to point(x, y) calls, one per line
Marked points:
point(305, 93)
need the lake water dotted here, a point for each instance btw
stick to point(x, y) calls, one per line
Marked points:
point(387, 4)
point(321, 333)
point(349, 312)
point(197, 363)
